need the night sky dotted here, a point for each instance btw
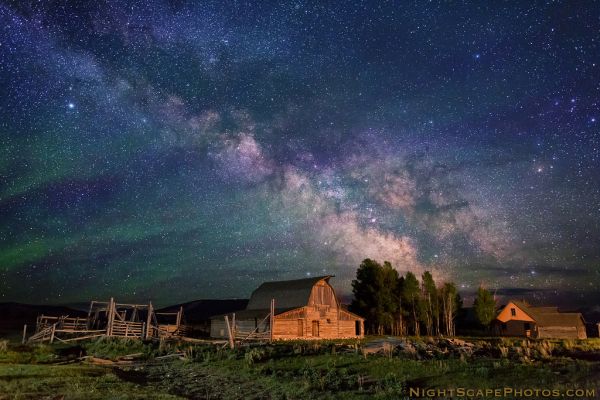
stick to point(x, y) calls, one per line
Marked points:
point(174, 150)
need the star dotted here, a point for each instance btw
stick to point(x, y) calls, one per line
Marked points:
point(203, 143)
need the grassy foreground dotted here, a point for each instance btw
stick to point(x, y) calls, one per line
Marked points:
point(292, 370)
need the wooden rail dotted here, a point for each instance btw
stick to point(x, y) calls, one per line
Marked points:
point(128, 329)
point(110, 319)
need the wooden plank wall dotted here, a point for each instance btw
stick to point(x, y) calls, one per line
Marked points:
point(561, 332)
point(516, 328)
point(330, 326)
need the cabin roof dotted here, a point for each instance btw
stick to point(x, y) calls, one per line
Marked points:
point(287, 294)
point(548, 316)
point(559, 319)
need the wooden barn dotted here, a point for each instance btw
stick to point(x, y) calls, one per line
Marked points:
point(518, 318)
point(296, 309)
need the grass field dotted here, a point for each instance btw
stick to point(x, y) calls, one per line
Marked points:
point(290, 370)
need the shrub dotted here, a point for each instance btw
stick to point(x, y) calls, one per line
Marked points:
point(390, 386)
point(113, 348)
point(568, 344)
point(329, 378)
point(544, 349)
point(254, 355)
point(482, 371)
point(503, 351)
point(43, 353)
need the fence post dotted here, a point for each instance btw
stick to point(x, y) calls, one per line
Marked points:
point(179, 313)
point(111, 316)
point(24, 333)
point(149, 321)
point(231, 339)
point(89, 316)
point(233, 329)
point(271, 320)
point(52, 334)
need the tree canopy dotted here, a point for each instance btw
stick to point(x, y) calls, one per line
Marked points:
point(392, 303)
point(485, 307)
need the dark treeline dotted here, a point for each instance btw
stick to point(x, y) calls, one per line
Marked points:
point(403, 305)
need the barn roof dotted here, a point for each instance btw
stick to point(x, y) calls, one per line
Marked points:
point(549, 316)
point(287, 294)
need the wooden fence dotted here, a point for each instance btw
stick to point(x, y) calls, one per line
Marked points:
point(109, 319)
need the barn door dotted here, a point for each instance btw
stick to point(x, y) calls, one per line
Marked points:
point(300, 327)
point(315, 328)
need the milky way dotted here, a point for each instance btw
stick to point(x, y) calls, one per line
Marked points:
point(178, 150)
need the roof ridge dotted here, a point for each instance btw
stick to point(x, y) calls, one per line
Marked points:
point(309, 278)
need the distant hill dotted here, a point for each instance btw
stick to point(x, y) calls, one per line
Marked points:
point(198, 311)
point(14, 315)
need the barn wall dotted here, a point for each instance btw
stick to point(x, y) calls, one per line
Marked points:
point(322, 294)
point(581, 331)
point(248, 325)
point(506, 314)
point(288, 325)
point(562, 332)
point(298, 324)
point(327, 320)
point(516, 328)
point(286, 329)
point(347, 329)
point(218, 329)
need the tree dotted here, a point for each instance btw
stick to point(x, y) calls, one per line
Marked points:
point(430, 304)
point(365, 290)
point(399, 327)
point(485, 307)
point(388, 304)
point(411, 297)
point(374, 292)
point(450, 304)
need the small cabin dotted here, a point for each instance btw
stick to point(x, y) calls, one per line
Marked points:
point(518, 318)
point(302, 309)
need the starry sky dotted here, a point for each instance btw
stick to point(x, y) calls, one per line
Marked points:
point(177, 150)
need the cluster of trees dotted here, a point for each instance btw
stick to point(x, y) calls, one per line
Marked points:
point(402, 305)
